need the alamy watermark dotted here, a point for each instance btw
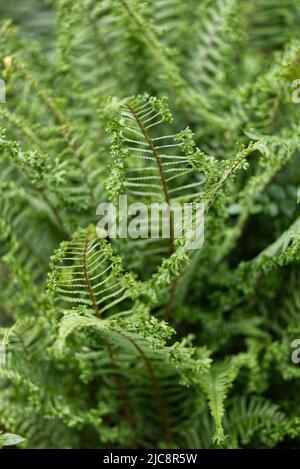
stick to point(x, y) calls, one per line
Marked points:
point(296, 353)
point(154, 220)
point(2, 91)
point(296, 92)
point(2, 353)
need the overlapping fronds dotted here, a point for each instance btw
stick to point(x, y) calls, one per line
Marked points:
point(86, 360)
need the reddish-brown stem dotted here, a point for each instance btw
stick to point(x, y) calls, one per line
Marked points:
point(119, 385)
point(170, 303)
point(160, 168)
point(156, 386)
point(167, 200)
point(87, 278)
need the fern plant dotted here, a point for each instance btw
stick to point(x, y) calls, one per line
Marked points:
point(144, 343)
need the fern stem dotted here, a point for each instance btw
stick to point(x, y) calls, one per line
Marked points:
point(87, 278)
point(23, 346)
point(63, 125)
point(56, 215)
point(126, 410)
point(156, 385)
point(170, 303)
point(160, 169)
point(102, 46)
point(52, 208)
point(26, 131)
point(181, 87)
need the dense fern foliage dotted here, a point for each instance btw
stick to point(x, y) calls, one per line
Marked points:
point(142, 343)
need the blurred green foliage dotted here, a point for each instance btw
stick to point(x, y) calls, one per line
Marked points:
point(124, 343)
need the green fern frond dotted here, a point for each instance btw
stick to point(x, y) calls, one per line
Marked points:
point(246, 416)
point(88, 362)
point(85, 271)
point(271, 23)
point(148, 164)
point(216, 26)
point(216, 384)
point(162, 366)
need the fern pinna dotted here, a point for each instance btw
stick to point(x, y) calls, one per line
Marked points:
point(152, 167)
point(89, 274)
point(113, 342)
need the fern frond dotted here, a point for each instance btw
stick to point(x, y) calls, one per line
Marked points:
point(246, 416)
point(184, 93)
point(162, 366)
point(88, 362)
point(216, 384)
point(271, 24)
point(84, 271)
point(149, 164)
point(217, 24)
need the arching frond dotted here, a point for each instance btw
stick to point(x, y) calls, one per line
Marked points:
point(249, 415)
point(148, 164)
point(216, 384)
point(85, 272)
